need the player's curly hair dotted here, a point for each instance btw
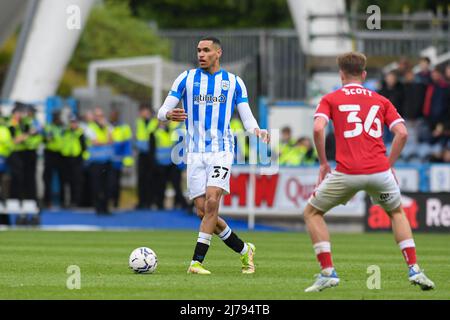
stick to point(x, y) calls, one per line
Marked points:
point(352, 63)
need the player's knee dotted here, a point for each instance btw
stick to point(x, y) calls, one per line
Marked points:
point(310, 212)
point(200, 213)
point(212, 204)
point(393, 212)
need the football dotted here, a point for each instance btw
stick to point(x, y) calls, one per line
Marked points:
point(143, 260)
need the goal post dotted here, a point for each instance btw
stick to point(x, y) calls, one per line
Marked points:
point(150, 71)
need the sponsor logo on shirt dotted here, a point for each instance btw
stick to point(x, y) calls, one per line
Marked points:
point(209, 98)
point(385, 197)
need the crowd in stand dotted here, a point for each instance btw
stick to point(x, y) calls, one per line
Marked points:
point(423, 100)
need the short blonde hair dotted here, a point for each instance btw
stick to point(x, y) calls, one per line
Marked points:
point(352, 63)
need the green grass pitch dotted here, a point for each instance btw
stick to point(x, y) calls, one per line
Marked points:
point(33, 265)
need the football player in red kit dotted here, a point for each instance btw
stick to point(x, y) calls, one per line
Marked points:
point(358, 116)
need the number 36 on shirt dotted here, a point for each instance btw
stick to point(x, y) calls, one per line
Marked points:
point(353, 110)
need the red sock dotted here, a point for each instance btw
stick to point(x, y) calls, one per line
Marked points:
point(325, 260)
point(408, 248)
point(410, 255)
point(323, 254)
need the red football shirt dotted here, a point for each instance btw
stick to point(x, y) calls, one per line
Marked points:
point(358, 116)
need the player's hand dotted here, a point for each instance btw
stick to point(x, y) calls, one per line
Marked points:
point(177, 115)
point(323, 171)
point(263, 134)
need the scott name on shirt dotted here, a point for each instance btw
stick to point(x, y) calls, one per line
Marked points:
point(357, 91)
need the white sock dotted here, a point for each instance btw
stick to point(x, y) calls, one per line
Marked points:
point(204, 238)
point(408, 243)
point(323, 246)
point(327, 271)
point(245, 249)
point(225, 234)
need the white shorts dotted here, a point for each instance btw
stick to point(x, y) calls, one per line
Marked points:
point(338, 188)
point(208, 169)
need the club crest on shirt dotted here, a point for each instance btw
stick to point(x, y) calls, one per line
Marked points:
point(225, 84)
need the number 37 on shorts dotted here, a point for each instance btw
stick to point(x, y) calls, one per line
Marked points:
point(220, 172)
point(208, 170)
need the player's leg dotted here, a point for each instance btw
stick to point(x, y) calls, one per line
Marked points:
point(385, 191)
point(404, 238)
point(337, 188)
point(218, 173)
point(230, 238)
point(196, 183)
point(207, 228)
point(320, 238)
point(199, 204)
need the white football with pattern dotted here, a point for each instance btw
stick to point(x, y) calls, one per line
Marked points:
point(143, 260)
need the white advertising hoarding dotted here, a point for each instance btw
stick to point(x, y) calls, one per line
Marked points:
point(287, 192)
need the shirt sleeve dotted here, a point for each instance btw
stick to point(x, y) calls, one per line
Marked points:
point(391, 116)
point(323, 109)
point(247, 118)
point(169, 104)
point(179, 86)
point(241, 91)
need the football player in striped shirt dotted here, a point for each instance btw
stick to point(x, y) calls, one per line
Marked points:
point(209, 96)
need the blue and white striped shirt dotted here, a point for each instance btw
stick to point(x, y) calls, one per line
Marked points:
point(209, 101)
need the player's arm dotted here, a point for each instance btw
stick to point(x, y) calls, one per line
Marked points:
point(320, 124)
point(399, 141)
point(397, 126)
point(168, 111)
point(321, 118)
point(249, 122)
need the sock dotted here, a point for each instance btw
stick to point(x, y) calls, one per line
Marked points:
point(232, 240)
point(409, 251)
point(323, 254)
point(203, 242)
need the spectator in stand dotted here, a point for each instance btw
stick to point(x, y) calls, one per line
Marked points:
point(286, 144)
point(392, 89)
point(424, 75)
point(436, 103)
point(307, 151)
point(413, 97)
point(446, 155)
point(443, 157)
point(86, 192)
point(447, 73)
point(441, 132)
point(403, 66)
